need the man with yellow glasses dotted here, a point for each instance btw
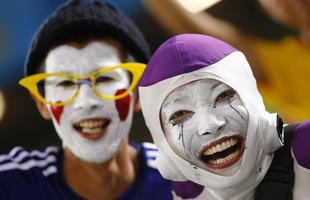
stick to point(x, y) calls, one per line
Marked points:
point(81, 70)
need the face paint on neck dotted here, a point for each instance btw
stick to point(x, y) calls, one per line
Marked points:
point(205, 123)
point(90, 127)
point(122, 105)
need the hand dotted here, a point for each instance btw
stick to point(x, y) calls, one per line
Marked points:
point(292, 13)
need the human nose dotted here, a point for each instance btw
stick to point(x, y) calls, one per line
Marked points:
point(209, 123)
point(86, 98)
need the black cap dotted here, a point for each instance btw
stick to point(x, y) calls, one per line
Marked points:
point(79, 17)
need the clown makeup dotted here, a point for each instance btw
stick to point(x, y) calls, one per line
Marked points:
point(205, 123)
point(91, 128)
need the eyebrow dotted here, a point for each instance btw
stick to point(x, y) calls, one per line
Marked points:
point(96, 69)
point(61, 71)
point(178, 100)
point(66, 71)
point(216, 85)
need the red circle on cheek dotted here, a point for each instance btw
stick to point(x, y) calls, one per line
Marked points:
point(57, 112)
point(122, 105)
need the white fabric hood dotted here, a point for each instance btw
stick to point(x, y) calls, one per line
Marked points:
point(262, 137)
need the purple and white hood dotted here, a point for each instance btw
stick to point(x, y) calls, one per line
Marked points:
point(189, 57)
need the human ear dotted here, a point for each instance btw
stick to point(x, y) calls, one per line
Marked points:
point(137, 106)
point(42, 108)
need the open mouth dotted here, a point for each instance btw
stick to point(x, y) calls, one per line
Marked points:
point(223, 153)
point(92, 129)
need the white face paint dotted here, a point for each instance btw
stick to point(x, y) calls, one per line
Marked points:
point(205, 123)
point(91, 128)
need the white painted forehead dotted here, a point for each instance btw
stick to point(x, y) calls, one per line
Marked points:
point(233, 71)
point(203, 82)
point(94, 54)
point(206, 84)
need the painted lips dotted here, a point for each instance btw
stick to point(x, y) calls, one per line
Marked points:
point(223, 153)
point(92, 129)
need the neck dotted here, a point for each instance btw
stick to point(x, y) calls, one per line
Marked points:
point(107, 180)
point(206, 194)
point(245, 195)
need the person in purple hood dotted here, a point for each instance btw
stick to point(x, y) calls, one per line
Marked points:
point(81, 70)
point(200, 101)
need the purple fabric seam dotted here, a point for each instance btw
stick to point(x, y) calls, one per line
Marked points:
point(180, 64)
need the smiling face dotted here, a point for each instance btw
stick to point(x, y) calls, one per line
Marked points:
point(90, 127)
point(205, 123)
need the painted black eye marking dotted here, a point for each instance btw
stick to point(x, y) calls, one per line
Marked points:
point(180, 117)
point(236, 111)
point(181, 136)
point(227, 95)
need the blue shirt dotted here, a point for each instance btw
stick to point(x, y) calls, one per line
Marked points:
point(39, 175)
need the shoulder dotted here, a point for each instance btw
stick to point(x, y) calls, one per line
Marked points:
point(20, 163)
point(303, 127)
point(282, 173)
point(149, 152)
point(297, 128)
point(150, 184)
point(301, 144)
point(301, 153)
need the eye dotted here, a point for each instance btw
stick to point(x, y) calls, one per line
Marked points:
point(224, 96)
point(103, 79)
point(66, 84)
point(180, 117)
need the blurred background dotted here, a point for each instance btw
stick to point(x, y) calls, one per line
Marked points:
point(274, 35)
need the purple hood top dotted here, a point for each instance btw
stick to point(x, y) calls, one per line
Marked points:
point(183, 54)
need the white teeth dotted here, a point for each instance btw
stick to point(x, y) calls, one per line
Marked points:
point(91, 124)
point(214, 150)
point(226, 159)
point(224, 145)
point(91, 130)
point(218, 148)
point(227, 144)
point(221, 147)
point(233, 141)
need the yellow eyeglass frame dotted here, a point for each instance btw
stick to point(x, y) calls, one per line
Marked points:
point(136, 69)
